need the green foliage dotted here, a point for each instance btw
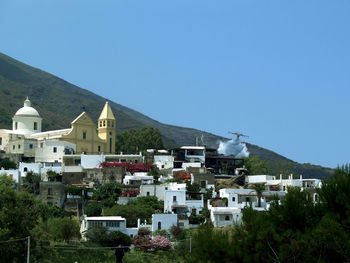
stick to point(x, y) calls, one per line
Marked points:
point(147, 257)
point(20, 212)
point(296, 229)
point(255, 165)
point(107, 193)
point(53, 176)
point(7, 164)
point(142, 207)
point(161, 232)
point(100, 236)
point(5, 180)
point(64, 228)
point(76, 190)
point(31, 183)
point(93, 209)
point(134, 141)
point(259, 189)
point(193, 187)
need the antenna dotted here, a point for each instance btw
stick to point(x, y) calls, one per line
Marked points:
point(239, 134)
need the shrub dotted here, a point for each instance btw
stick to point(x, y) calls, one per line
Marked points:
point(161, 243)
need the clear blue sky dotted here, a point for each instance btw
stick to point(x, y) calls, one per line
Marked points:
point(275, 70)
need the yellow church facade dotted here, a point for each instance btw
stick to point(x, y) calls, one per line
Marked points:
point(90, 140)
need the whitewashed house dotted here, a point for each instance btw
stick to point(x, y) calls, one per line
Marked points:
point(158, 190)
point(175, 201)
point(112, 223)
point(163, 221)
point(138, 178)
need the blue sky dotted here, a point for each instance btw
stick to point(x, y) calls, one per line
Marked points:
point(275, 70)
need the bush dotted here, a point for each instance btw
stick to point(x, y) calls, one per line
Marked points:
point(99, 235)
point(161, 243)
point(93, 209)
point(64, 228)
point(142, 243)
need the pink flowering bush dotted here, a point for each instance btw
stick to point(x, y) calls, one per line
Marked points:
point(161, 243)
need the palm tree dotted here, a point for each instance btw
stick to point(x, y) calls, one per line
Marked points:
point(259, 188)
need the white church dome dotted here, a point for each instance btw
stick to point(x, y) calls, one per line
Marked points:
point(27, 110)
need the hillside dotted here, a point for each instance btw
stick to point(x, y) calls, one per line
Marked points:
point(59, 102)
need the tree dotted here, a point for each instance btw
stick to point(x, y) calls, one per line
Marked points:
point(99, 235)
point(93, 209)
point(193, 187)
point(64, 228)
point(7, 164)
point(134, 141)
point(255, 165)
point(31, 183)
point(53, 176)
point(108, 193)
point(259, 189)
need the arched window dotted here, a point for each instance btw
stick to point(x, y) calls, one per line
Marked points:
point(159, 225)
point(35, 126)
point(227, 218)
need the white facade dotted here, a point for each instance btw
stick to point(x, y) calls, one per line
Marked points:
point(164, 161)
point(29, 167)
point(27, 120)
point(258, 179)
point(175, 201)
point(52, 151)
point(163, 221)
point(225, 216)
point(138, 179)
point(113, 223)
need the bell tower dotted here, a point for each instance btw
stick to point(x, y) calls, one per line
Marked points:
point(106, 128)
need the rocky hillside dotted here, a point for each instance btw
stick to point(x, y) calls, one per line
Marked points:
point(59, 102)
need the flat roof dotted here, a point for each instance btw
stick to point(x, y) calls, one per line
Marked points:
point(105, 218)
point(193, 147)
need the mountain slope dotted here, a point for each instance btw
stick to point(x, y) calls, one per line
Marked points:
point(59, 102)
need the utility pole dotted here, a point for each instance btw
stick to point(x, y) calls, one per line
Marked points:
point(28, 249)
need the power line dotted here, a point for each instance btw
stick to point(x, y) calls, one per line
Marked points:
point(13, 240)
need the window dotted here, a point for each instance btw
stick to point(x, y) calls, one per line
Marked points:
point(13, 147)
point(16, 125)
point(108, 123)
point(112, 224)
point(49, 191)
point(35, 126)
point(227, 218)
point(0, 140)
point(233, 199)
point(166, 188)
point(247, 199)
point(99, 148)
point(25, 169)
point(147, 193)
point(174, 198)
point(203, 184)
point(110, 133)
point(19, 146)
point(84, 135)
point(41, 145)
point(55, 149)
point(104, 123)
point(194, 211)
point(30, 146)
point(159, 225)
point(100, 123)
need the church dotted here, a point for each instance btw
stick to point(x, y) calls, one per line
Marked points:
point(26, 139)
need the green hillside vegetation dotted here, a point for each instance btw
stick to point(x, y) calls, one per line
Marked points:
point(60, 102)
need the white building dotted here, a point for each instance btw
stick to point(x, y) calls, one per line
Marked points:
point(158, 190)
point(13, 174)
point(25, 122)
point(113, 223)
point(139, 178)
point(175, 201)
point(163, 221)
point(164, 161)
point(52, 151)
